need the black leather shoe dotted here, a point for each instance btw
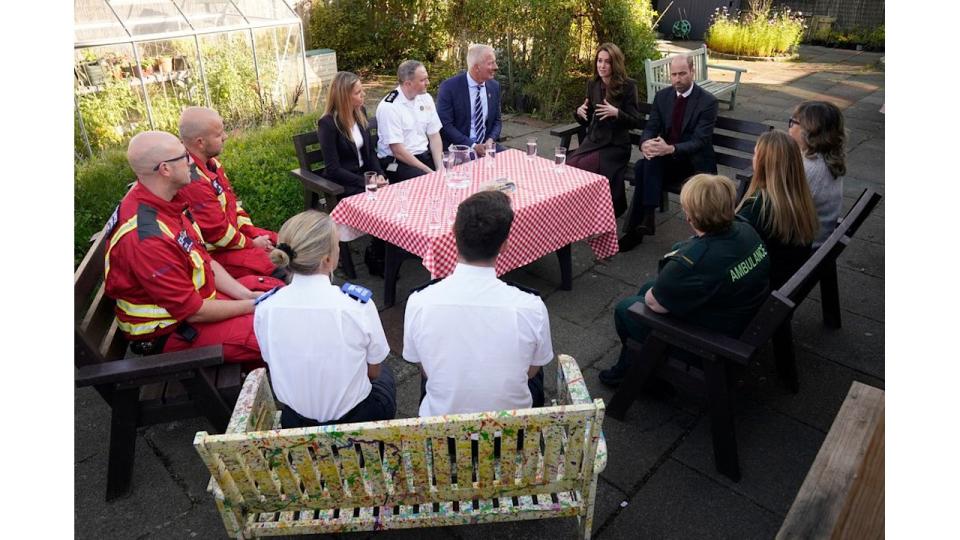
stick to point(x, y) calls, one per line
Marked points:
point(630, 240)
point(612, 377)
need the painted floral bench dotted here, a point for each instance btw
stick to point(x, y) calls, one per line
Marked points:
point(414, 472)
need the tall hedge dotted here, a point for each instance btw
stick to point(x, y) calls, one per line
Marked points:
point(258, 161)
point(545, 47)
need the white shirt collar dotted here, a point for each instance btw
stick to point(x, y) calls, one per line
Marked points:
point(689, 91)
point(404, 97)
point(470, 271)
point(311, 280)
point(470, 82)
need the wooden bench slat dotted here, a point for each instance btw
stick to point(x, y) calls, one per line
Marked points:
point(464, 462)
point(329, 472)
point(531, 454)
point(486, 460)
point(373, 469)
point(553, 441)
point(508, 456)
point(415, 449)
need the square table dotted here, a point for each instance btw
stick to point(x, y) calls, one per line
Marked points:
point(551, 211)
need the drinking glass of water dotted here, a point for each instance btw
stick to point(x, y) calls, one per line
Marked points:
point(436, 209)
point(403, 201)
point(491, 155)
point(559, 159)
point(531, 147)
point(370, 184)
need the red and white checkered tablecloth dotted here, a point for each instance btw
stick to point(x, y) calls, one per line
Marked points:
point(551, 210)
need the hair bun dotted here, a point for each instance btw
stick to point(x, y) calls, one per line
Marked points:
point(285, 247)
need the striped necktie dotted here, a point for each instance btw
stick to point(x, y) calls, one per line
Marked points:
point(478, 116)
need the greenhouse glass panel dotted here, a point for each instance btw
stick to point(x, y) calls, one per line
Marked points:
point(108, 96)
point(170, 82)
point(94, 21)
point(211, 13)
point(231, 76)
point(144, 18)
point(281, 68)
point(259, 11)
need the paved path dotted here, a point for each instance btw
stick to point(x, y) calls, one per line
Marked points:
point(661, 461)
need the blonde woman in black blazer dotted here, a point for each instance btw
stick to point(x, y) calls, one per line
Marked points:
point(344, 135)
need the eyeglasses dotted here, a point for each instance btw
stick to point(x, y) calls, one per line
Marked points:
point(792, 122)
point(185, 155)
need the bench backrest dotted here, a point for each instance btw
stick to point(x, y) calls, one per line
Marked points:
point(658, 71)
point(734, 140)
point(400, 462)
point(781, 303)
point(96, 336)
point(309, 154)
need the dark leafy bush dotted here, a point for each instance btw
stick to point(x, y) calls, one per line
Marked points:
point(870, 39)
point(258, 162)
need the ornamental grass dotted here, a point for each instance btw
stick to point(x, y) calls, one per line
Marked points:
point(761, 32)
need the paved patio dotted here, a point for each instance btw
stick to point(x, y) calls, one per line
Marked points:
point(660, 480)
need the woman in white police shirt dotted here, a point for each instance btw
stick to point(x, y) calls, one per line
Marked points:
point(324, 344)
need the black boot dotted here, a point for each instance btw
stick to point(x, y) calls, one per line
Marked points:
point(648, 226)
point(614, 376)
point(373, 257)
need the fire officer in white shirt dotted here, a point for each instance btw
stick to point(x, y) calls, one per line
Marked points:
point(480, 342)
point(408, 128)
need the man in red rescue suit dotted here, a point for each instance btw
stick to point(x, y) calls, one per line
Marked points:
point(169, 292)
point(229, 233)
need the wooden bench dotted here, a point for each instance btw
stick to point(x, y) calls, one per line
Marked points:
point(734, 141)
point(658, 76)
point(316, 187)
point(843, 493)
point(720, 354)
point(146, 390)
point(413, 472)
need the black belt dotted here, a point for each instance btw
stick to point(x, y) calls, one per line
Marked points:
point(147, 347)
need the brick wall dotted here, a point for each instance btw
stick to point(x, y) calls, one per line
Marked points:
point(849, 13)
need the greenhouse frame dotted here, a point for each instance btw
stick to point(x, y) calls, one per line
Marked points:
point(138, 63)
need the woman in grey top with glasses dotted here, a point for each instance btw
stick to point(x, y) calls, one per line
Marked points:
point(817, 126)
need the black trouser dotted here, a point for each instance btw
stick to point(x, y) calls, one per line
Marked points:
point(404, 171)
point(535, 384)
point(380, 404)
point(650, 175)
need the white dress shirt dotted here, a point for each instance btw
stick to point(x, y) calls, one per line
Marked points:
point(475, 337)
point(474, 88)
point(406, 121)
point(318, 342)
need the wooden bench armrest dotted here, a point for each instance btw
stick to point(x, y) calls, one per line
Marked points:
point(146, 367)
point(727, 68)
point(690, 337)
point(255, 406)
point(565, 133)
point(317, 182)
point(573, 391)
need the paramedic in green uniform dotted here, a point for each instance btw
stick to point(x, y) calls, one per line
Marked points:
point(717, 279)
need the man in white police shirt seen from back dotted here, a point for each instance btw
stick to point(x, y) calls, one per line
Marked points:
point(408, 128)
point(480, 342)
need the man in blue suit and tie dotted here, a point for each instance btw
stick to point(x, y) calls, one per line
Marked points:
point(469, 103)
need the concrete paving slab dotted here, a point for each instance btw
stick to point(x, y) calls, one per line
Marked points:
point(858, 345)
point(859, 293)
point(775, 453)
point(680, 502)
point(823, 387)
point(586, 344)
point(589, 299)
point(864, 257)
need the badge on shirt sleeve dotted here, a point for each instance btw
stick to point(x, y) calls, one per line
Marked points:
point(217, 188)
point(185, 241)
point(358, 293)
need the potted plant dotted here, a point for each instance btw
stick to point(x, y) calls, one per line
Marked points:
point(179, 63)
point(164, 64)
point(93, 68)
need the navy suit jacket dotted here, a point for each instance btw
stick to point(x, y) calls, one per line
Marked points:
point(696, 134)
point(456, 111)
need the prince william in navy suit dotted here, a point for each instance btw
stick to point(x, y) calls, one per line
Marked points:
point(469, 103)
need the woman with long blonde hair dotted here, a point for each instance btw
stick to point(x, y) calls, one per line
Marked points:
point(344, 135)
point(778, 204)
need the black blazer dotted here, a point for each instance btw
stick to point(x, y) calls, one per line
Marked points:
point(340, 155)
point(696, 135)
point(611, 136)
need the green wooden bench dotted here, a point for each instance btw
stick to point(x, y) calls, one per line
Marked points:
point(404, 473)
point(658, 77)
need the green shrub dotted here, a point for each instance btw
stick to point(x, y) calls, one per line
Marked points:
point(762, 32)
point(257, 160)
point(371, 35)
point(870, 39)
